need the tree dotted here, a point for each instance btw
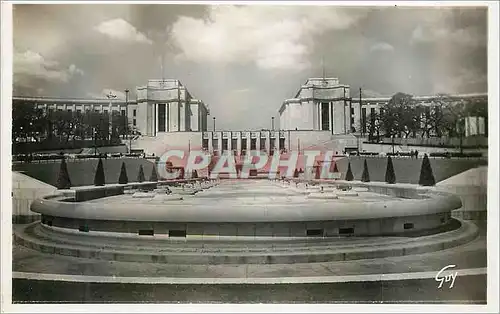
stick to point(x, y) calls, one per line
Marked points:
point(365, 177)
point(154, 175)
point(140, 175)
point(349, 176)
point(390, 176)
point(426, 175)
point(194, 174)
point(335, 168)
point(374, 126)
point(63, 180)
point(99, 179)
point(123, 175)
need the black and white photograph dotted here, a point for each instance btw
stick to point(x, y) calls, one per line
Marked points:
point(249, 154)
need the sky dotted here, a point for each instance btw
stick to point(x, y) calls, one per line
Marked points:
point(243, 61)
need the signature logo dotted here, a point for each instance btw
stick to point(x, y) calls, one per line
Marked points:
point(441, 277)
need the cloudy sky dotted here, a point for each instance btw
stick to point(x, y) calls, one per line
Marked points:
point(243, 61)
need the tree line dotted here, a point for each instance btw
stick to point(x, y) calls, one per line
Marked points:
point(404, 117)
point(31, 124)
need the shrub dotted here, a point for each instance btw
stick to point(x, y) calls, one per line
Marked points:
point(123, 179)
point(426, 175)
point(390, 176)
point(365, 177)
point(140, 175)
point(63, 181)
point(99, 179)
point(194, 174)
point(348, 175)
point(154, 175)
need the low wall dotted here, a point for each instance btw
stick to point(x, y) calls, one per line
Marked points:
point(254, 231)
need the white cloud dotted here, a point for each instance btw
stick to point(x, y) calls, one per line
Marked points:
point(381, 46)
point(270, 37)
point(32, 64)
point(108, 91)
point(74, 70)
point(122, 30)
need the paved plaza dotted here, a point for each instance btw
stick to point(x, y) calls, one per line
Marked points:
point(391, 279)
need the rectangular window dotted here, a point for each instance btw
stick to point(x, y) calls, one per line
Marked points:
point(346, 230)
point(325, 116)
point(408, 225)
point(177, 233)
point(205, 143)
point(262, 144)
point(243, 144)
point(215, 144)
point(224, 144)
point(135, 112)
point(134, 122)
point(161, 117)
point(253, 144)
point(147, 232)
point(123, 112)
point(314, 232)
point(282, 143)
point(352, 110)
point(234, 144)
point(272, 144)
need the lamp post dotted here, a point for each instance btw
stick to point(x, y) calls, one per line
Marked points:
point(95, 139)
point(272, 123)
point(126, 122)
point(214, 124)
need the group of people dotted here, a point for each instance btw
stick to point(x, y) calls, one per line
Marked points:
point(414, 153)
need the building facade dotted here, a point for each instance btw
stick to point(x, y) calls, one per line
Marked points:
point(323, 114)
point(324, 104)
point(161, 106)
point(167, 106)
point(319, 105)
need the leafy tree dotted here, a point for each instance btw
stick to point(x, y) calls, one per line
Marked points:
point(349, 176)
point(123, 179)
point(390, 176)
point(140, 175)
point(426, 175)
point(63, 180)
point(99, 179)
point(365, 177)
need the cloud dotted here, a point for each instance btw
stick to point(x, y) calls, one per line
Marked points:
point(462, 80)
point(108, 91)
point(122, 30)
point(277, 38)
point(32, 64)
point(441, 27)
point(381, 46)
